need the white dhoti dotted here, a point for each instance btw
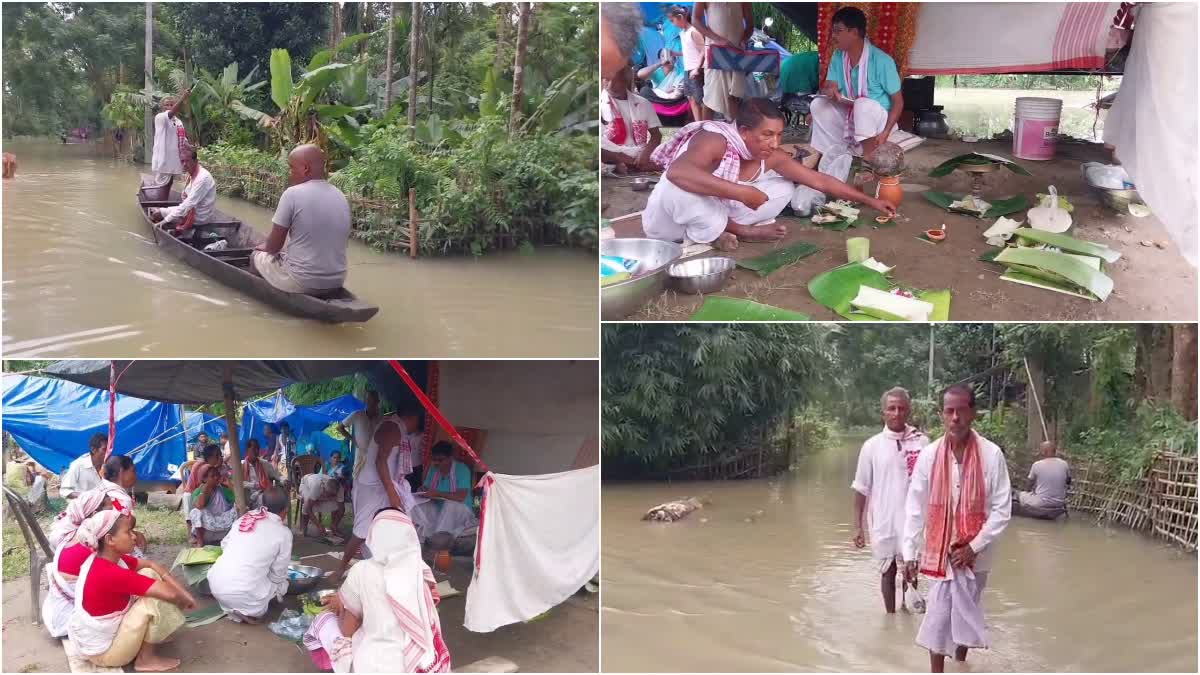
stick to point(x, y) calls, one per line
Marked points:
point(673, 214)
point(954, 614)
point(630, 151)
point(719, 85)
point(368, 498)
point(829, 131)
point(443, 515)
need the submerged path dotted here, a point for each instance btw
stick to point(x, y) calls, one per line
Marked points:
point(82, 277)
point(788, 591)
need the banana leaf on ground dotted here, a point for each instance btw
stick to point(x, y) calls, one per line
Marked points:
point(1068, 244)
point(1003, 207)
point(977, 159)
point(722, 308)
point(767, 263)
point(1062, 272)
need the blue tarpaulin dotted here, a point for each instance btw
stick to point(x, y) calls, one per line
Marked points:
point(307, 423)
point(195, 422)
point(53, 420)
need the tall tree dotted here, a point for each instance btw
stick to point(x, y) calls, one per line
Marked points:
point(391, 43)
point(149, 66)
point(503, 19)
point(1183, 369)
point(518, 90)
point(246, 32)
point(413, 40)
point(335, 24)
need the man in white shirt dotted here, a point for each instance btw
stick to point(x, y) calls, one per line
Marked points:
point(414, 442)
point(1048, 481)
point(84, 473)
point(960, 500)
point(881, 487)
point(631, 127)
point(169, 135)
point(306, 249)
point(253, 567)
point(199, 199)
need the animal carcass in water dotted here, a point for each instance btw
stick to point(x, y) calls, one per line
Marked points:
point(673, 511)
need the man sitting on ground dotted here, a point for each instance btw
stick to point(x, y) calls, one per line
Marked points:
point(447, 487)
point(257, 474)
point(726, 182)
point(862, 100)
point(84, 473)
point(630, 126)
point(199, 199)
point(253, 567)
point(306, 250)
point(1049, 478)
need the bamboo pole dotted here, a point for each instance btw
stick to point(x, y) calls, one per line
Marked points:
point(412, 222)
point(1036, 401)
point(518, 90)
point(413, 38)
point(148, 115)
point(231, 428)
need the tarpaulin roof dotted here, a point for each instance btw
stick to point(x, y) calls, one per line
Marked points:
point(306, 422)
point(53, 421)
point(199, 382)
point(195, 422)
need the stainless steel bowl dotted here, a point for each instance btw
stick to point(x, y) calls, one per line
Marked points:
point(704, 275)
point(640, 184)
point(618, 301)
point(306, 583)
point(1117, 200)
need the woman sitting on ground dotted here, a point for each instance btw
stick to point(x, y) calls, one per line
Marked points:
point(120, 614)
point(213, 507)
point(384, 617)
point(117, 478)
point(63, 570)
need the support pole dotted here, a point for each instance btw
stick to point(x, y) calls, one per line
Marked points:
point(387, 69)
point(231, 428)
point(412, 222)
point(414, 37)
point(148, 116)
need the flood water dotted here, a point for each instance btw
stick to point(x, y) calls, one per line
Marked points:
point(789, 591)
point(82, 277)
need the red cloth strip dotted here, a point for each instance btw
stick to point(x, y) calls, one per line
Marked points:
point(437, 415)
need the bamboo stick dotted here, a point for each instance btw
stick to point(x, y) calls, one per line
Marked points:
point(412, 222)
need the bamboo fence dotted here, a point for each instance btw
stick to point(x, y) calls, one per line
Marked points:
point(378, 222)
point(1161, 502)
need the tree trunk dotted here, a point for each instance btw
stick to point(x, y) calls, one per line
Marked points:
point(235, 451)
point(1152, 370)
point(1183, 370)
point(335, 30)
point(412, 70)
point(1035, 393)
point(430, 56)
point(518, 90)
point(503, 18)
point(148, 116)
point(387, 68)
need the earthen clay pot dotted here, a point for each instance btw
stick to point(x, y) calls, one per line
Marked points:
point(890, 190)
point(441, 560)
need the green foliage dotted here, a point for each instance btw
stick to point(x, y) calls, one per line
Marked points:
point(1129, 447)
point(675, 394)
point(1032, 81)
point(814, 428)
point(216, 33)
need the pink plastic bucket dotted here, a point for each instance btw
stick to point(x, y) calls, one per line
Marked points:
point(1035, 127)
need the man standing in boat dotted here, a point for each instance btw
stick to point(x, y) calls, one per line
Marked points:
point(169, 139)
point(306, 250)
point(199, 198)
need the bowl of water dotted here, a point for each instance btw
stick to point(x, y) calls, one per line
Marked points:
point(303, 578)
point(653, 257)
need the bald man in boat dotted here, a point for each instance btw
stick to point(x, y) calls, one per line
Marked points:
point(306, 250)
point(199, 198)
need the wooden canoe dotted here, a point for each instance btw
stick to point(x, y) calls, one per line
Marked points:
point(232, 267)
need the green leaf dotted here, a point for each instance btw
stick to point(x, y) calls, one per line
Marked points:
point(250, 76)
point(947, 167)
point(229, 75)
point(999, 208)
point(281, 77)
point(721, 308)
point(328, 113)
point(354, 84)
point(837, 287)
point(248, 112)
point(491, 95)
point(764, 265)
point(1058, 267)
point(320, 59)
point(1068, 243)
point(350, 41)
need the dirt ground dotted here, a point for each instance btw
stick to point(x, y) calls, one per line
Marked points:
point(1149, 283)
point(565, 640)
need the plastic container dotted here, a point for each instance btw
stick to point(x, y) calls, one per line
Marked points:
point(858, 249)
point(1035, 127)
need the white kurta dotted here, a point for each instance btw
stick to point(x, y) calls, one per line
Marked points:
point(829, 124)
point(998, 495)
point(252, 568)
point(80, 476)
point(201, 194)
point(882, 477)
point(165, 159)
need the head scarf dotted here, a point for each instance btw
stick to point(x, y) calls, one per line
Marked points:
point(121, 499)
point(411, 589)
point(77, 511)
point(95, 527)
point(199, 471)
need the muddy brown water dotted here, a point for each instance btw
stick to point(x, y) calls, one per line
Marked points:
point(788, 591)
point(83, 278)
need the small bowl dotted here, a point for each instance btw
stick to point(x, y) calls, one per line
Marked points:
point(640, 184)
point(883, 219)
point(705, 275)
point(935, 235)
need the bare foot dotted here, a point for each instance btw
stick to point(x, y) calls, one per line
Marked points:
point(726, 242)
point(153, 663)
point(758, 233)
point(620, 169)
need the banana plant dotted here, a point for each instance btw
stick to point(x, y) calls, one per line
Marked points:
point(324, 102)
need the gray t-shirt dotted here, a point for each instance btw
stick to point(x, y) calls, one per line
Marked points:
point(317, 216)
point(1051, 474)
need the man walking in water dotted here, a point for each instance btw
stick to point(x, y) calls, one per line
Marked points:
point(885, 464)
point(960, 500)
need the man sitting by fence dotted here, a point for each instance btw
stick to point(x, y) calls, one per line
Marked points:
point(1049, 478)
point(306, 250)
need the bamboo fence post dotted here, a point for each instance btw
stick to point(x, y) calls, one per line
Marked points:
point(412, 222)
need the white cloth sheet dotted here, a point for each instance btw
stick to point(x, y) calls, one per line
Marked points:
point(1152, 123)
point(253, 566)
point(539, 544)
